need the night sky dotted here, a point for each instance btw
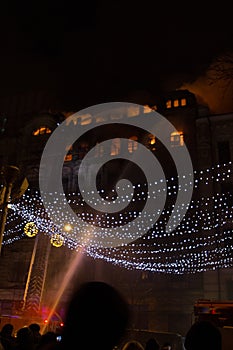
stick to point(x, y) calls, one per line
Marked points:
point(99, 51)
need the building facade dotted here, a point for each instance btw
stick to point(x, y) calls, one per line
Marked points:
point(160, 274)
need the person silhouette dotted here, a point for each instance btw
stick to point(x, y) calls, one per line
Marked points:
point(24, 339)
point(35, 328)
point(203, 335)
point(8, 341)
point(152, 344)
point(96, 317)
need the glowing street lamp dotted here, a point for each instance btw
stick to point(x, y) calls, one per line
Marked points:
point(68, 227)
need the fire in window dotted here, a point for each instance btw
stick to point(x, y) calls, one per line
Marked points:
point(183, 102)
point(176, 103)
point(152, 142)
point(41, 131)
point(169, 104)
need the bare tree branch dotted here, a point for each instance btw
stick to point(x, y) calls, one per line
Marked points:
point(221, 69)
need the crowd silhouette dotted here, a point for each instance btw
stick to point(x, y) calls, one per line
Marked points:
point(97, 317)
point(203, 335)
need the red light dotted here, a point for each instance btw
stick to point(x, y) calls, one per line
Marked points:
point(213, 311)
point(61, 324)
point(45, 321)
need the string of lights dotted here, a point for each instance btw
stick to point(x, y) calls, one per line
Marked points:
point(202, 240)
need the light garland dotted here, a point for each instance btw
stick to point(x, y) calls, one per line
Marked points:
point(202, 241)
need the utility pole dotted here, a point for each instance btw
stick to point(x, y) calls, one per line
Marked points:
point(10, 174)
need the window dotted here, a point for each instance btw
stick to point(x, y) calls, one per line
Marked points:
point(177, 138)
point(132, 144)
point(99, 150)
point(68, 157)
point(176, 103)
point(86, 119)
point(152, 142)
point(42, 130)
point(115, 147)
point(183, 102)
point(147, 109)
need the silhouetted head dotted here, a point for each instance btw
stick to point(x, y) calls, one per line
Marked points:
point(97, 317)
point(7, 329)
point(35, 327)
point(24, 338)
point(152, 344)
point(203, 335)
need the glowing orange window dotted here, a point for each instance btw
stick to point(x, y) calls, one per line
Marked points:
point(177, 138)
point(183, 102)
point(176, 103)
point(132, 144)
point(115, 147)
point(41, 131)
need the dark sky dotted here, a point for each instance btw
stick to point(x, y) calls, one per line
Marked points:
point(99, 51)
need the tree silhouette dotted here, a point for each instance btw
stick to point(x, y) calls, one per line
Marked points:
point(221, 71)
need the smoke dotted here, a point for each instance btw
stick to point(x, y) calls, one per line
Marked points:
point(215, 87)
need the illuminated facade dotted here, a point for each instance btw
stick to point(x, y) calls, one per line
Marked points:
point(163, 274)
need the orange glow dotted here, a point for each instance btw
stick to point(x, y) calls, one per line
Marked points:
point(183, 102)
point(115, 148)
point(152, 140)
point(99, 150)
point(73, 268)
point(213, 95)
point(41, 131)
point(177, 138)
point(176, 103)
point(68, 158)
point(132, 144)
point(86, 119)
point(147, 109)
